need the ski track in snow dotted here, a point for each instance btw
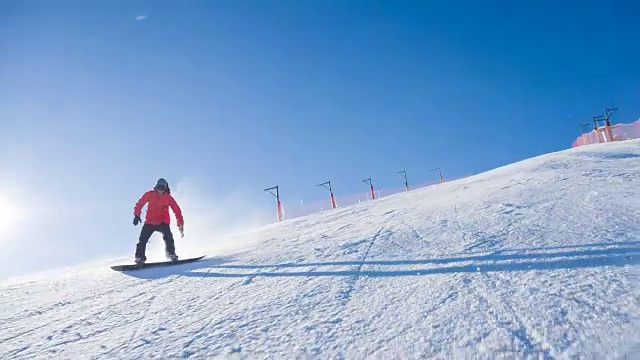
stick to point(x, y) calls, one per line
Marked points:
point(539, 259)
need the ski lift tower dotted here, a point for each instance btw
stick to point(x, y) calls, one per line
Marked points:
point(406, 183)
point(327, 185)
point(279, 204)
point(368, 181)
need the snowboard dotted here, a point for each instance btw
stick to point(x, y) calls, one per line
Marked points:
point(128, 267)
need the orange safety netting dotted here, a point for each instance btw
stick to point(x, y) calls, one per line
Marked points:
point(618, 132)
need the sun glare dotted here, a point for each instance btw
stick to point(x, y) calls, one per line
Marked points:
point(10, 213)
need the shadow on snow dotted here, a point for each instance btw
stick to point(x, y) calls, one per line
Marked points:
point(494, 262)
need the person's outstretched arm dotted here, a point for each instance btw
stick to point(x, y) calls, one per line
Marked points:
point(137, 209)
point(178, 212)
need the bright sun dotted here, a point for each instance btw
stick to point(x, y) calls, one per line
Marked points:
point(10, 213)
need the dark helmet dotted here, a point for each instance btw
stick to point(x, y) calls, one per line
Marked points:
point(162, 184)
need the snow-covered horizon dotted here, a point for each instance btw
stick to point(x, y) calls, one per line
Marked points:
point(538, 259)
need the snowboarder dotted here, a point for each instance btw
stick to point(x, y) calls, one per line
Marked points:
point(159, 200)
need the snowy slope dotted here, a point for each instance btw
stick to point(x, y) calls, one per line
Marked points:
point(536, 259)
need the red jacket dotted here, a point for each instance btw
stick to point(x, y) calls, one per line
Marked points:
point(158, 209)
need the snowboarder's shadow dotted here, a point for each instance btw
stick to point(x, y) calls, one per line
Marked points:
point(567, 257)
point(176, 270)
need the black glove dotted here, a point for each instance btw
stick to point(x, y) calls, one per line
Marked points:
point(136, 220)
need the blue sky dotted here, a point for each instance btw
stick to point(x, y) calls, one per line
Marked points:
point(225, 98)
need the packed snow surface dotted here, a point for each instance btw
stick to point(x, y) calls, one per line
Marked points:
point(538, 259)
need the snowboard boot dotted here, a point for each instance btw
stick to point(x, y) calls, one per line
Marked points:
point(139, 261)
point(172, 257)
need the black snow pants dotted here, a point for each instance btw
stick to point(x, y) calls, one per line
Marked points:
point(145, 235)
